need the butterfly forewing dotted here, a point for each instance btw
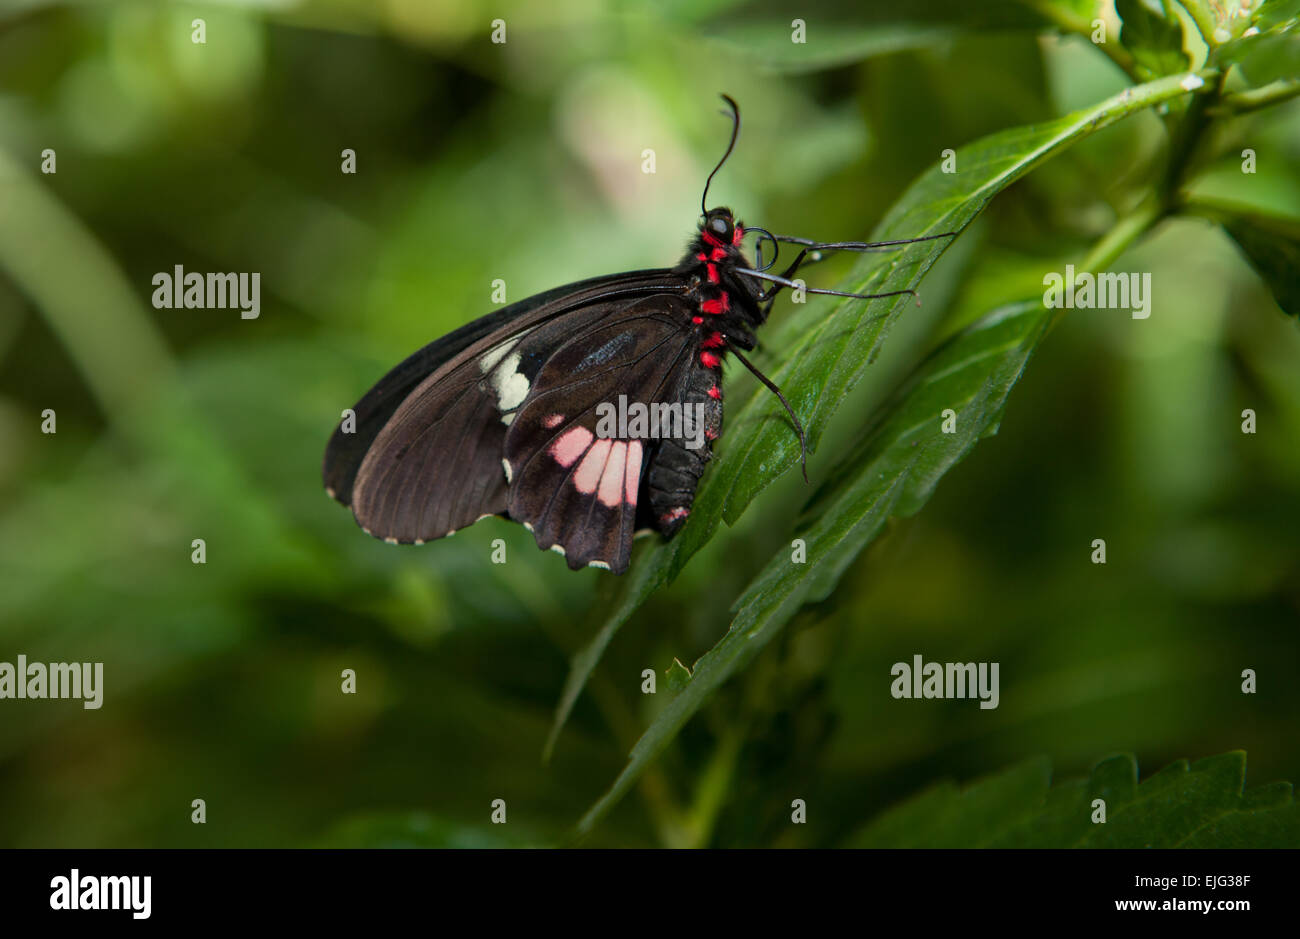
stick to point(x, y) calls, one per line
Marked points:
point(347, 449)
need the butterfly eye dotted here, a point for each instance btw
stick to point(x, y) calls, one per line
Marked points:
point(721, 226)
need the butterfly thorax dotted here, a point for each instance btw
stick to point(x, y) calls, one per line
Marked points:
point(727, 307)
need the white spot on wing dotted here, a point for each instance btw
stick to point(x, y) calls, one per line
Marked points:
point(493, 356)
point(558, 549)
point(505, 465)
point(390, 541)
point(603, 565)
point(511, 384)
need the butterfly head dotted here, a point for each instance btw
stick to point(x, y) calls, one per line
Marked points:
point(719, 228)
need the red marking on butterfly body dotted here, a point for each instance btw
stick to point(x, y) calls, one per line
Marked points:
point(715, 307)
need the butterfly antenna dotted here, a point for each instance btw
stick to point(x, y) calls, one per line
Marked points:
point(803, 440)
point(735, 132)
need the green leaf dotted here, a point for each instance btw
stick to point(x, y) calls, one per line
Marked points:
point(629, 593)
point(827, 351)
point(96, 314)
point(1265, 58)
point(830, 350)
point(1203, 805)
point(893, 473)
point(679, 676)
point(1273, 247)
point(1277, 14)
point(835, 35)
point(947, 815)
point(1155, 40)
point(1272, 52)
point(414, 830)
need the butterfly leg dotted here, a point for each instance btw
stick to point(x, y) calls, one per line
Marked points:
point(814, 251)
point(768, 297)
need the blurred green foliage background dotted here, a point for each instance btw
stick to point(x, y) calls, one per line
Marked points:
point(523, 161)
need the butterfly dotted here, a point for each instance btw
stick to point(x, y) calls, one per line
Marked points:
point(513, 414)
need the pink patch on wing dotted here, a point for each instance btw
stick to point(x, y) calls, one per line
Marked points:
point(610, 493)
point(592, 467)
point(572, 444)
point(552, 420)
point(632, 478)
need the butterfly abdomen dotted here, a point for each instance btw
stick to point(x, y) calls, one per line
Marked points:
point(678, 462)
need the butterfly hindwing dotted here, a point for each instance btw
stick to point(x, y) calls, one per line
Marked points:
point(575, 486)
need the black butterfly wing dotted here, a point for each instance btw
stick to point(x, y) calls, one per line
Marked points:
point(345, 451)
point(425, 458)
point(576, 490)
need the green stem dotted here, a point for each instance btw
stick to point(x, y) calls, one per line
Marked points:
point(1125, 232)
point(712, 789)
point(654, 787)
point(1185, 139)
point(1242, 102)
point(1205, 20)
